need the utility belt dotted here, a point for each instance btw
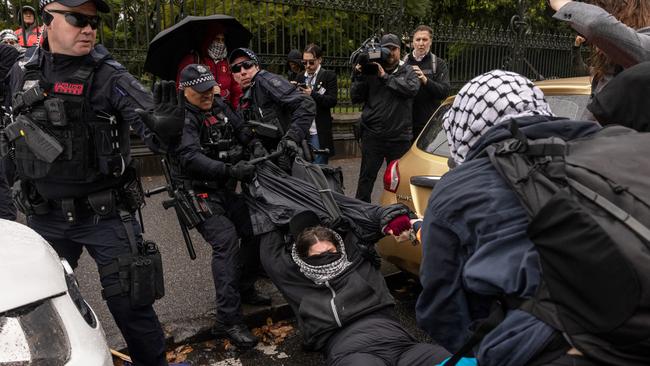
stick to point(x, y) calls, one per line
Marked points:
point(140, 273)
point(128, 196)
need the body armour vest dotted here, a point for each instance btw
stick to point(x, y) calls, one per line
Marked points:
point(90, 140)
point(218, 139)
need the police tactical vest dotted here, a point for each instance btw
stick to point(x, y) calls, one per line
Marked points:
point(91, 140)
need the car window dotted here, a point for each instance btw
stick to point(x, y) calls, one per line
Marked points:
point(569, 106)
point(433, 139)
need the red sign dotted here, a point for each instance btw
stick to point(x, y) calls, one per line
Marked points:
point(68, 88)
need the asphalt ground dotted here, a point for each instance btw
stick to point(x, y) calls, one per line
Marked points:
point(188, 309)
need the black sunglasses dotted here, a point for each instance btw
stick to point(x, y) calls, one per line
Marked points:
point(74, 19)
point(235, 68)
point(309, 62)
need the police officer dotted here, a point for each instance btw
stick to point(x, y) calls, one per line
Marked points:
point(8, 56)
point(269, 98)
point(210, 156)
point(75, 105)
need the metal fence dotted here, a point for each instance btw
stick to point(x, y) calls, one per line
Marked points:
point(339, 27)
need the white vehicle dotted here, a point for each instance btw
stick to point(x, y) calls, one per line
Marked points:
point(43, 318)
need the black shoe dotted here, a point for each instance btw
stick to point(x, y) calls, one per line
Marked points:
point(238, 334)
point(255, 298)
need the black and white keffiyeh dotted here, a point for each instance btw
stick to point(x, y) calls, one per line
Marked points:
point(489, 100)
point(324, 273)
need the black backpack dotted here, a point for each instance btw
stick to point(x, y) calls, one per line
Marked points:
point(588, 202)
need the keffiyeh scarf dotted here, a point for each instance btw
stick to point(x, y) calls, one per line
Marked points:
point(488, 100)
point(324, 273)
point(217, 51)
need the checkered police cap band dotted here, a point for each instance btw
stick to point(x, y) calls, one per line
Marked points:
point(44, 3)
point(201, 79)
point(489, 100)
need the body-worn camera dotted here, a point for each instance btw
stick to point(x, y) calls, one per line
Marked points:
point(369, 52)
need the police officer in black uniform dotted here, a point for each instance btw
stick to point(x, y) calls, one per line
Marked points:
point(208, 163)
point(269, 98)
point(73, 105)
point(8, 56)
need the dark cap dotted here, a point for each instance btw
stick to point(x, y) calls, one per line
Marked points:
point(301, 221)
point(390, 40)
point(197, 77)
point(101, 5)
point(295, 56)
point(245, 52)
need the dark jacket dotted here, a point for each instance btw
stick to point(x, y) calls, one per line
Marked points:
point(433, 92)
point(476, 248)
point(325, 95)
point(387, 103)
point(8, 56)
point(193, 155)
point(115, 92)
point(359, 291)
point(272, 99)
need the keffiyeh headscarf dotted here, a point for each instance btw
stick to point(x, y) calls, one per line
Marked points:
point(217, 51)
point(326, 272)
point(488, 100)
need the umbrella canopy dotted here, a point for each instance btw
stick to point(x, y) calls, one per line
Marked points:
point(170, 46)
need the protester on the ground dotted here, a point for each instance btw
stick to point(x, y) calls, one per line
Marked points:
point(338, 293)
point(209, 161)
point(476, 248)
point(80, 191)
point(433, 74)
point(624, 100)
point(214, 54)
point(320, 84)
point(386, 90)
point(618, 30)
point(29, 33)
point(271, 99)
point(294, 66)
point(579, 66)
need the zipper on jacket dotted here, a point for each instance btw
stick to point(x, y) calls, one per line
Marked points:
point(336, 314)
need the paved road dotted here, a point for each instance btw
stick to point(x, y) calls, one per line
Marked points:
point(188, 305)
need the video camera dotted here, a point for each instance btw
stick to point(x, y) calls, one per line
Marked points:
point(369, 52)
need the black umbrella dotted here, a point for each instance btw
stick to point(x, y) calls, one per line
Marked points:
point(169, 46)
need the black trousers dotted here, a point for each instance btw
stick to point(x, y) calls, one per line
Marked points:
point(379, 340)
point(373, 153)
point(234, 265)
point(106, 240)
point(7, 208)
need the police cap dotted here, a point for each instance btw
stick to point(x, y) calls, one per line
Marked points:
point(245, 52)
point(101, 5)
point(198, 77)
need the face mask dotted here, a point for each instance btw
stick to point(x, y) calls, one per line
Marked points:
point(322, 259)
point(217, 50)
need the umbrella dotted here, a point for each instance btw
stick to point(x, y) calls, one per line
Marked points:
point(169, 46)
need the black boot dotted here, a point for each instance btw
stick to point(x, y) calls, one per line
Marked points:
point(255, 298)
point(238, 334)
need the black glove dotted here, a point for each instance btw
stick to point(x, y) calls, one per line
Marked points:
point(242, 171)
point(167, 117)
point(289, 147)
point(258, 150)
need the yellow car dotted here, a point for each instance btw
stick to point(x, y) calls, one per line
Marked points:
point(411, 179)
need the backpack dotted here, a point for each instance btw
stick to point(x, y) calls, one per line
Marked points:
point(588, 201)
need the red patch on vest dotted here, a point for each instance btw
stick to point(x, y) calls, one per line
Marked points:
point(211, 120)
point(68, 88)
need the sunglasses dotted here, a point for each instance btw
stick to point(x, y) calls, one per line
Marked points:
point(309, 62)
point(74, 19)
point(246, 65)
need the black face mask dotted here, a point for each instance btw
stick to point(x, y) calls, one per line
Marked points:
point(322, 259)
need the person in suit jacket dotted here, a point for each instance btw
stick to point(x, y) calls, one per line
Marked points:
point(320, 84)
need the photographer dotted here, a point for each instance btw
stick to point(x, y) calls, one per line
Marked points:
point(386, 88)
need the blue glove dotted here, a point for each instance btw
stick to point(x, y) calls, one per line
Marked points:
point(463, 362)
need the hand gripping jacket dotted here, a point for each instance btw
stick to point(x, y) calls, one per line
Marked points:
point(61, 110)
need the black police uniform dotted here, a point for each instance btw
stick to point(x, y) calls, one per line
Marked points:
point(210, 141)
point(78, 198)
point(272, 99)
point(8, 56)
